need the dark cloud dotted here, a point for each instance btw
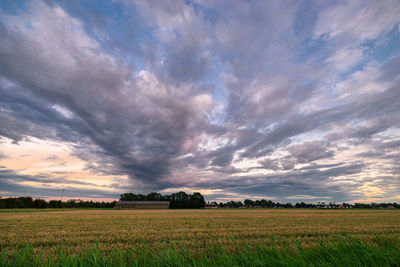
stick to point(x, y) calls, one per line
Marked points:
point(165, 89)
point(269, 164)
point(140, 130)
point(320, 180)
point(310, 151)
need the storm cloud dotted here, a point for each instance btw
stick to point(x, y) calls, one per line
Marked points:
point(251, 99)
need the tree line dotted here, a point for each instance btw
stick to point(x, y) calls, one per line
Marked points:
point(248, 203)
point(180, 200)
point(30, 203)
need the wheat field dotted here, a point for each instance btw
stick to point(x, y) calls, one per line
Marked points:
point(192, 230)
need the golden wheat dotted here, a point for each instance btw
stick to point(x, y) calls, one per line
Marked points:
point(195, 230)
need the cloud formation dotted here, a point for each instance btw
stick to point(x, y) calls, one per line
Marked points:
point(262, 98)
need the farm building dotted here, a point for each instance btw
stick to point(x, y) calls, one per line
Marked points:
point(142, 205)
point(211, 205)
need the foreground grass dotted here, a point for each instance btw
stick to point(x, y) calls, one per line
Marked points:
point(342, 253)
point(200, 237)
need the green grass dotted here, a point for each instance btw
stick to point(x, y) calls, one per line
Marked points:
point(351, 252)
point(220, 237)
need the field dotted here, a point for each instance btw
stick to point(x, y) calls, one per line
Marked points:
point(201, 236)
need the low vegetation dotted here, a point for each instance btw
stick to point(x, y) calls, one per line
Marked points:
point(219, 237)
point(30, 203)
point(179, 200)
point(343, 253)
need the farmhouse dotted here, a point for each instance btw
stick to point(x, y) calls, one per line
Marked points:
point(142, 205)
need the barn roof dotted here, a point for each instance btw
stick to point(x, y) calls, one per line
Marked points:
point(143, 202)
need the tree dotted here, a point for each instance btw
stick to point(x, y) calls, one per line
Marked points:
point(346, 205)
point(234, 204)
point(133, 197)
point(55, 204)
point(71, 203)
point(270, 204)
point(140, 197)
point(179, 200)
point(301, 205)
point(154, 196)
point(249, 203)
point(196, 201)
point(127, 197)
point(39, 203)
point(26, 202)
point(288, 205)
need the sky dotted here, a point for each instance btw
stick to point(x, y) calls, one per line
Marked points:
point(283, 100)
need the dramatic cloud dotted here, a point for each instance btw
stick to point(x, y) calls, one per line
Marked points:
point(285, 100)
point(309, 151)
